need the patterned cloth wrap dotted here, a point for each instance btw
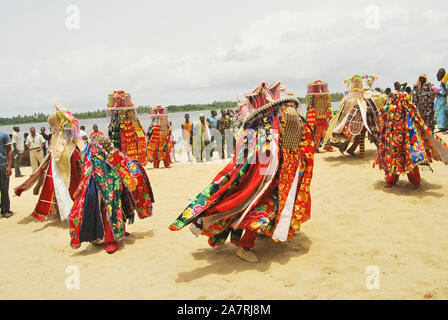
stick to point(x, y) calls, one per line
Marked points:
point(356, 112)
point(67, 119)
point(125, 129)
point(405, 141)
point(319, 110)
point(266, 186)
point(112, 181)
point(160, 143)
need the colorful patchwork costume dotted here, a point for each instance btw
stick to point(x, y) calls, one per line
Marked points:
point(125, 130)
point(59, 174)
point(319, 111)
point(266, 187)
point(113, 187)
point(357, 115)
point(160, 142)
point(405, 141)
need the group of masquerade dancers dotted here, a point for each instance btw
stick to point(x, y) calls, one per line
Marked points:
point(99, 186)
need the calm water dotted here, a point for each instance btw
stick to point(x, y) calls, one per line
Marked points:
point(176, 118)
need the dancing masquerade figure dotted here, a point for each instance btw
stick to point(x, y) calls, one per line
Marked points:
point(319, 111)
point(125, 130)
point(379, 99)
point(160, 143)
point(266, 187)
point(59, 174)
point(357, 115)
point(113, 187)
point(406, 141)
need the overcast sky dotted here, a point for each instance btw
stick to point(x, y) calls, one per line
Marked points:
point(179, 52)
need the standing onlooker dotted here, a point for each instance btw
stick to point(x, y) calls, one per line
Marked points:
point(25, 161)
point(200, 139)
point(95, 131)
point(47, 138)
point(408, 90)
point(440, 104)
point(5, 172)
point(83, 133)
point(212, 123)
point(173, 149)
point(35, 143)
point(235, 125)
point(424, 100)
point(224, 126)
point(186, 134)
point(400, 87)
point(17, 150)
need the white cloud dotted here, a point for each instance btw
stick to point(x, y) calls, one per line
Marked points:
point(206, 56)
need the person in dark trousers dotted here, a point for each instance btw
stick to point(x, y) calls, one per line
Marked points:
point(17, 150)
point(25, 160)
point(47, 138)
point(6, 162)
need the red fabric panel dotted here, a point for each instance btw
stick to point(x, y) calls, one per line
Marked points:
point(44, 204)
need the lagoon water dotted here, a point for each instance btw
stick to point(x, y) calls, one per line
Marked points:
point(176, 118)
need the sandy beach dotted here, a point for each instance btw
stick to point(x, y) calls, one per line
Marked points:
point(355, 223)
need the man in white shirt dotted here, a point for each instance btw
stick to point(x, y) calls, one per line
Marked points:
point(35, 143)
point(83, 133)
point(17, 150)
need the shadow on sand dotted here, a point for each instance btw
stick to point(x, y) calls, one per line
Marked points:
point(337, 159)
point(223, 260)
point(52, 221)
point(404, 188)
point(152, 168)
point(129, 240)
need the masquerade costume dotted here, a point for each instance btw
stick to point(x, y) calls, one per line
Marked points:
point(406, 142)
point(60, 172)
point(379, 99)
point(266, 186)
point(125, 130)
point(113, 187)
point(160, 143)
point(319, 110)
point(357, 115)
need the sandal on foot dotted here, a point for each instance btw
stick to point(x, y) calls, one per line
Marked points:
point(8, 214)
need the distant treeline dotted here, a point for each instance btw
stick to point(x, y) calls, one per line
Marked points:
point(101, 113)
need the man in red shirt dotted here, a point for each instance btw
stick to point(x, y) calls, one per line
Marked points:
point(95, 130)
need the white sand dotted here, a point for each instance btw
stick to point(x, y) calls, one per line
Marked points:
point(355, 222)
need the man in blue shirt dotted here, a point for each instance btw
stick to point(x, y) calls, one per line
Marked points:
point(440, 104)
point(5, 173)
point(212, 123)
